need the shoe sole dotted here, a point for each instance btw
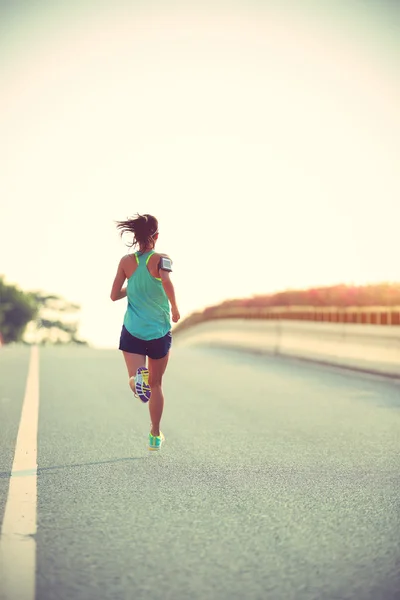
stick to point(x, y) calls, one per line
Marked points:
point(143, 390)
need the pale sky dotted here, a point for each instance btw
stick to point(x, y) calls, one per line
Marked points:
point(265, 140)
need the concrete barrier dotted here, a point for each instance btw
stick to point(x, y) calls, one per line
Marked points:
point(368, 348)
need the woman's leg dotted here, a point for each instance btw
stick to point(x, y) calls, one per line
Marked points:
point(133, 362)
point(157, 368)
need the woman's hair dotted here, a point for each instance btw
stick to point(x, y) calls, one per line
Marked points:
point(143, 227)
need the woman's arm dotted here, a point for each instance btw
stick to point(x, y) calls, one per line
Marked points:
point(117, 291)
point(170, 291)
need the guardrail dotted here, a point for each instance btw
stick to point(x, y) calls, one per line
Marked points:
point(362, 315)
point(370, 348)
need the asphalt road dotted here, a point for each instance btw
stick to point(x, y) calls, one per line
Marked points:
point(278, 479)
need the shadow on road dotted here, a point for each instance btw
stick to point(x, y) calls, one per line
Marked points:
point(7, 474)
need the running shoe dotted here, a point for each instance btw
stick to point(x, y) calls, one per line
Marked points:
point(155, 441)
point(133, 386)
point(142, 384)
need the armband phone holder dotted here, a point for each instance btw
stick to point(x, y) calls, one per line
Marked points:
point(165, 264)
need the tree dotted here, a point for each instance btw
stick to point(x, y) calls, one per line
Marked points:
point(17, 309)
point(54, 324)
point(36, 317)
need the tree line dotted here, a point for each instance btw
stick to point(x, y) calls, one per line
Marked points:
point(382, 294)
point(45, 317)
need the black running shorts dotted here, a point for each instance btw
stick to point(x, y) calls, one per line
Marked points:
point(152, 348)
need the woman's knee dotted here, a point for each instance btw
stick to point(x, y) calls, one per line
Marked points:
point(154, 380)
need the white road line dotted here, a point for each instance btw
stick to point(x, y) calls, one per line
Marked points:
point(17, 544)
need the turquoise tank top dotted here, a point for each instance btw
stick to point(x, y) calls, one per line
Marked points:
point(147, 316)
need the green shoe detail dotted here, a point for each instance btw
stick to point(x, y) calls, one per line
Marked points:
point(155, 441)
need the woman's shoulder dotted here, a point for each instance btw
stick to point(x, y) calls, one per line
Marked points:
point(127, 258)
point(155, 262)
point(160, 254)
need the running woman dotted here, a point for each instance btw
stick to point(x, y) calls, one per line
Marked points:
point(146, 331)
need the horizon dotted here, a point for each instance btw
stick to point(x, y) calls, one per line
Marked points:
point(31, 335)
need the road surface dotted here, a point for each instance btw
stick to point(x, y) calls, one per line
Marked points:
point(278, 479)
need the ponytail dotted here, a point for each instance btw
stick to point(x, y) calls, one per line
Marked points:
point(143, 228)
